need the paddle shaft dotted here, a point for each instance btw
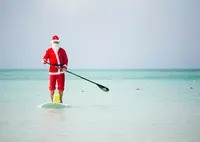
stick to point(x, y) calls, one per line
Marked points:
point(75, 74)
point(82, 77)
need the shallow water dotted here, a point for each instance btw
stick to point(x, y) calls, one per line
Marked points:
point(164, 108)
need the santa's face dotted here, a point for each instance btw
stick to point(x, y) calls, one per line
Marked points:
point(55, 45)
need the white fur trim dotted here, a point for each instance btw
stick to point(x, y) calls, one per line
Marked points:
point(58, 61)
point(55, 73)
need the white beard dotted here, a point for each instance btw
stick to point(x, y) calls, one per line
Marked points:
point(55, 46)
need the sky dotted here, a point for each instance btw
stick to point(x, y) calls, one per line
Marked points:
point(101, 34)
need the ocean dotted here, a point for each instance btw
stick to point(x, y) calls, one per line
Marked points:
point(141, 106)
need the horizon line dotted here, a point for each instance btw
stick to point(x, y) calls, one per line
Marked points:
point(105, 69)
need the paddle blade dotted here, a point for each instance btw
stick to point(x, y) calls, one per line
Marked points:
point(105, 89)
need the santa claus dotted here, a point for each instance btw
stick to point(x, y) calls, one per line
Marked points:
point(57, 56)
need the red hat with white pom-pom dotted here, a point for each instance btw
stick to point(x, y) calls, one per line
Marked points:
point(55, 38)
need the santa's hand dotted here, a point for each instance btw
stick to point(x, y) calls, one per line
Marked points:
point(64, 69)
point(44, 61)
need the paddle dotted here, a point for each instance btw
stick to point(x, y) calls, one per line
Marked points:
point(105, 89)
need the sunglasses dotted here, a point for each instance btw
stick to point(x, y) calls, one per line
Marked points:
point(57, 42)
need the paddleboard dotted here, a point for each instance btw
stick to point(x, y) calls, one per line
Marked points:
point(51, 105)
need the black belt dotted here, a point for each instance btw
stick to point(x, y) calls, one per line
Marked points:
point(57, 65)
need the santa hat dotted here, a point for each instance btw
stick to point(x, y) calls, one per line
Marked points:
point(55, 38)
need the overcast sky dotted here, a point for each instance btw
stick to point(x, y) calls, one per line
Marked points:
point(102, 33)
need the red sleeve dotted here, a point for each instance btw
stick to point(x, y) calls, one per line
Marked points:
point(46, 56)
point(65, 58)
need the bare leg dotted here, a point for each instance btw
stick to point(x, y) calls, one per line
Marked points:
point(51, 95)
point(61, 95)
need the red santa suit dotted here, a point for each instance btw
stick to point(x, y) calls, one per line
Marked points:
point(57, 57)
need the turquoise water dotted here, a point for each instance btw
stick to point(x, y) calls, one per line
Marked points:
point(165, 108)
